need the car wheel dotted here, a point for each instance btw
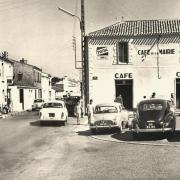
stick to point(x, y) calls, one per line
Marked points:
point(135, 136)
point(93, 131)
point(171, 134)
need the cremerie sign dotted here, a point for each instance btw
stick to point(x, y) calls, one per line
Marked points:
point(123, 75)
point(151, 52)
point(102, 52)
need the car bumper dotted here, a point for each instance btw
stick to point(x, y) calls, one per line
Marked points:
point(104, 127)
point(138, 130)
point(51, 119)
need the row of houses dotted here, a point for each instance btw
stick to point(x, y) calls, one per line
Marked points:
point(21, 83)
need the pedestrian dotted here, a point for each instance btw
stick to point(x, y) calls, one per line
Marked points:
point(144, 97)
point(119, 99)
point(153, 95)
point(90, 110)
point(77, 112)
point(172, 99)
point(82, 109)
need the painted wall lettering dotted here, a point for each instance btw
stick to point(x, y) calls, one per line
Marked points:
point(123, 75)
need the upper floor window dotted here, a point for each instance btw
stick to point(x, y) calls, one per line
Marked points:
point(123, 52)
point(19, 76)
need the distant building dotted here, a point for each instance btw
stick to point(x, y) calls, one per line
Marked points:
point(47, 92)
point(134, 59)
point(6, 80)
point(67, 87)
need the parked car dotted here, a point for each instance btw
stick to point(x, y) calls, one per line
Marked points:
point(37, 105)
point(54, 111)
point(154, 115)
point(109, 116)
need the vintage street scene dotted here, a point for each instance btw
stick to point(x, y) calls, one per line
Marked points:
point(89, 90)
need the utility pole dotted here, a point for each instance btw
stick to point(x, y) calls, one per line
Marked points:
point(82, 27)
point(83, 55)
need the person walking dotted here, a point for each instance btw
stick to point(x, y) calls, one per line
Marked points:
point(77, 112)
point(153, 95)
point(90, 110)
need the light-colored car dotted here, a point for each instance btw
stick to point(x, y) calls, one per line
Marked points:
point(54, 111)
point(109, 116)
point(37, 104)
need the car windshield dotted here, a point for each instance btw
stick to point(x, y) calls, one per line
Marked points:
point(52, 105)
point(38, 100)
point(151, 107)
point(106, 109)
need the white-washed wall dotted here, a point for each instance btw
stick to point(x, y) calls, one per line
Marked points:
point(146, 75)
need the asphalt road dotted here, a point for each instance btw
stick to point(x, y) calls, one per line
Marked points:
point(32, 152)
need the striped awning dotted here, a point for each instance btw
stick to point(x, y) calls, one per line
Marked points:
point(139, 28)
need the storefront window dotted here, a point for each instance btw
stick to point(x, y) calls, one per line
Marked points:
point(123, 52)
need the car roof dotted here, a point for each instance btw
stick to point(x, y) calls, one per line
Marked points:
point(108, 104)
point(55, 101)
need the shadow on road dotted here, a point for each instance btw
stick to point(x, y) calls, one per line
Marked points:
point(99, 132)
point(47, 123)
point(127, 136)
point(176, 138)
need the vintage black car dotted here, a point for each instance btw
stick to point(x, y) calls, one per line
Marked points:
point(154, 115)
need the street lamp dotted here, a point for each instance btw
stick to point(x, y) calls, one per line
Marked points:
point(82, 28)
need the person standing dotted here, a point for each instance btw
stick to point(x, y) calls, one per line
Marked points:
point(119, 99)
point(90, 110)
point(77, 112)
point(153, 95)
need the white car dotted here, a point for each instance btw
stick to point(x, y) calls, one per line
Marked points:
point(37, 104)
point(54, 111)
point(108, 116)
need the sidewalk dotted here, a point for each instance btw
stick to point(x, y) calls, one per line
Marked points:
point(12, 114)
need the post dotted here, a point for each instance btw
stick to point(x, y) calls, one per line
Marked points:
point(82, 26)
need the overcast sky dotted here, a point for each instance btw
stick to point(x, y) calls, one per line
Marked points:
point(37, 31)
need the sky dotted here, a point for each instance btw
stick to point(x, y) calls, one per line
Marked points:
point(38, 32)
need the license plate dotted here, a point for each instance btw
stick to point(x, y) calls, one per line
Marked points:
point(150, 126)
point(51, 114)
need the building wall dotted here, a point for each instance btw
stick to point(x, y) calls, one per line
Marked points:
point(142, 68)
point(47, 92)
point(6, 73)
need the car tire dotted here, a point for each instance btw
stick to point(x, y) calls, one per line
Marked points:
point(171, 134)
point(93, 131)
point(135, 136)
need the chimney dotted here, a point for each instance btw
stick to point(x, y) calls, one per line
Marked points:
point(5, 55)
point(23, 61)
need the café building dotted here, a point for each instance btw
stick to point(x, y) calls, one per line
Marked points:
point(134, 59)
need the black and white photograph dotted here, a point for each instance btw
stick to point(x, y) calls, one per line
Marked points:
point(89, 89)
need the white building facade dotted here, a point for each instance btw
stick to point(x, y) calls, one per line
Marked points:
point(134, 59)
point(6, 79)
point(47, 92)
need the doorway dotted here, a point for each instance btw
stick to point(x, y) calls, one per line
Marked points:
point(21, 97)
point(125, 88)
point(178, 93)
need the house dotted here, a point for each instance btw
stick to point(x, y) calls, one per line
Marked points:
point(134, 59)
point(68, 87)
point(6, 79)
point(26, 85)
point(47, 92)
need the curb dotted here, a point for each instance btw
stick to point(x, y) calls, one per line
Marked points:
point(12, 114)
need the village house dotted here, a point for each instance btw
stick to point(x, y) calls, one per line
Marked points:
point(134, 59)
point(47, 92)
point(6, 79)
point(26, 85)
point(67, 87)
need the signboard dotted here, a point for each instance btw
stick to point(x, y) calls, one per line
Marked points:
point(123, 75)
point(102, 52)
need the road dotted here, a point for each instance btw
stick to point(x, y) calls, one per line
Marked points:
point(32, 152)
